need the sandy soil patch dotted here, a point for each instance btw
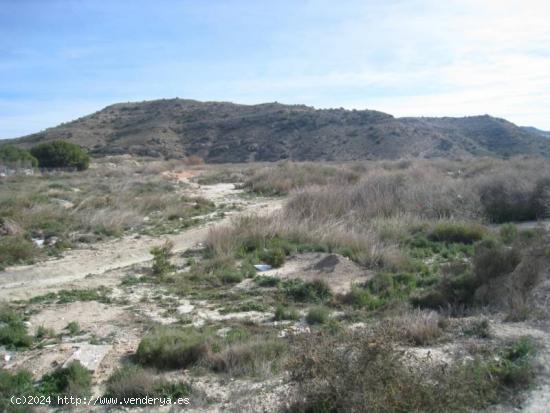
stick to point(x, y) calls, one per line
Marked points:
point(336, 270)
point(180, 176)
point(98, 318)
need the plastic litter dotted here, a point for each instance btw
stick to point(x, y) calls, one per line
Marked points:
point(262, 267)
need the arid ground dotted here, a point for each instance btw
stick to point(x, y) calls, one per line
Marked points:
point(392, 286)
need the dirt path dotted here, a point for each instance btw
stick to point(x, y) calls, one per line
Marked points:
point(27, 281)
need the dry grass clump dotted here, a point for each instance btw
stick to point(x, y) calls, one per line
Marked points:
point(250, 233)
point(420, 327)
point(194, 160)
point(497, 190)
point(17, 250)
point(133, 381)
point(286, 176)
point(419, 191)
point(256, 357)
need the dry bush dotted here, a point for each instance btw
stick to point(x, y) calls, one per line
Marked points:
point(366, 371)
point(194, 160)
point(516, 289)
point(246, 231)
point(221, 241)
point(419, 191)
point(515, 190)
point(134, 382)
point(131, 381)
point(258, 357)
point(493, 260)
point(419, 327)
point(286, 176)
point(111, 221)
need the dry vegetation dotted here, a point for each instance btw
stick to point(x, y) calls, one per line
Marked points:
point(424, 229)
point(115, 196)
point(439, 244)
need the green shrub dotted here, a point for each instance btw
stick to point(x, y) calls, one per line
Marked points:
point(15, 249)
point(44, 333)
point(236, 335)
point(129, 280)
point(317, 315)
point(286, 313)
point(230, 276)
point(100, 294)
point(13, 333)
point(73, 380)
point(491, 260)
point(161, 259)
point(12, 155)
point(382, 289)
point(172, 348)
point(453, 290)
point(274, 257)
point(362, 298)
point(513, 368)
point(307, 291)
point(264, 281)
point(73, 327)
point(508, 233)
point(61, 154)
point(457, 233)
point(19, 383)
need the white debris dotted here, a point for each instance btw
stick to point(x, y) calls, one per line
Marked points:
point(38, 241)
point(262, 267)
point(89, 355)
point(63, 203)
point(185, 308)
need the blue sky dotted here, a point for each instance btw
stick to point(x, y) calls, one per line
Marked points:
point(61, 59)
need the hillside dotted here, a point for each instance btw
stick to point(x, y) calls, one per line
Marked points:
point(228, 132)
point(536, 131)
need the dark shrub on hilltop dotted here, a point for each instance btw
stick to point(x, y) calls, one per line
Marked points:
point(61, 154)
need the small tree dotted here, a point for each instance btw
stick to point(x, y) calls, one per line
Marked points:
point(61, 154)
point(161, 259)
point(12, 155)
